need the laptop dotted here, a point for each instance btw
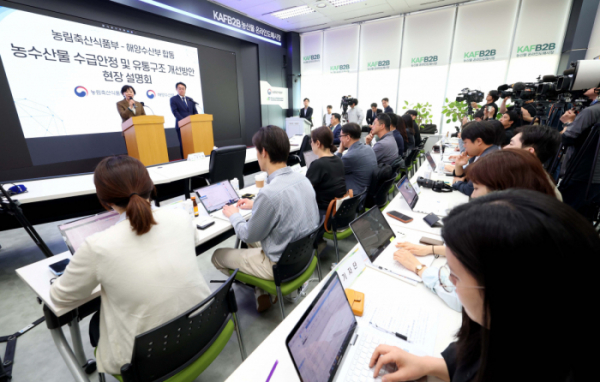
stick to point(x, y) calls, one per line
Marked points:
point(411, 197)
point(433, 164)
point(328, 344)
point(378, 240)
point(218, 195)
point(74, 233)
point(309, 157)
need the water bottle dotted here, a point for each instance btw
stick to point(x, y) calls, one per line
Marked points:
point(440, 167)
point(236, 185)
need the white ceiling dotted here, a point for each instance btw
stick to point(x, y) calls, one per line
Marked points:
point(329, 16)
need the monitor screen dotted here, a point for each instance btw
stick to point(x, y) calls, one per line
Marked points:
point(319, 340)
point(408, 192)
point(372, 232)
point(430, 160)
point(309, 157)
point(216, 196)
point(74, 233)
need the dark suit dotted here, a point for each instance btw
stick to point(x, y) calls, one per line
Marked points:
point(337, 130)
point(308, 115)
point(371, 117)
point(389, 109)
point(180, 111)
point(125, 113)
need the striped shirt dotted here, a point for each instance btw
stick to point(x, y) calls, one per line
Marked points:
point(284, 211)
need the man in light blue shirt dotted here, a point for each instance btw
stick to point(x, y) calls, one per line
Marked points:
point(284, 211)
point(359, 162)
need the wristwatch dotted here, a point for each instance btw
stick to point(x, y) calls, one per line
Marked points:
point(419, 267)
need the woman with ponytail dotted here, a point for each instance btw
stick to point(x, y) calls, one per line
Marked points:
point(145, 264)
point(326, 173)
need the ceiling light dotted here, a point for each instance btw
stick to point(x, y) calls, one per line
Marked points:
point(321, 5)
point(293, 12)
point(339, 3)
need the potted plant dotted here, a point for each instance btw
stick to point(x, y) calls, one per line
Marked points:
point(425, 117)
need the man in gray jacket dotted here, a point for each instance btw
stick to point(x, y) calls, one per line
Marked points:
point(359, 162)
point(386, 148)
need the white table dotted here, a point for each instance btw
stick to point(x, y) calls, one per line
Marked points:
point(257, 366)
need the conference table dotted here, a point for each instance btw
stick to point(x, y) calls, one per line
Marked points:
point(257, 366)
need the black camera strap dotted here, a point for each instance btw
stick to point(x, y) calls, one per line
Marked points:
point(445, 188)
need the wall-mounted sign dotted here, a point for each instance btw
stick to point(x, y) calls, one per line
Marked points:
point(271, 95)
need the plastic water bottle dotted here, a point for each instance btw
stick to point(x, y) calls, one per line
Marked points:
point(236, 185)
point(440, 167)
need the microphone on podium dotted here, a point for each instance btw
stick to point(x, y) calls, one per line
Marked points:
point(144, 105)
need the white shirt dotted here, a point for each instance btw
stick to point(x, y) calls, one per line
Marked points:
point(146, 281)
point(355, 115)
point(327, 119)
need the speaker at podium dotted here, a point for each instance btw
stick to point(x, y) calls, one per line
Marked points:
point(145, 139)
point(197, 134)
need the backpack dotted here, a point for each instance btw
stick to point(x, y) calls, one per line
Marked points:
point(428, 129)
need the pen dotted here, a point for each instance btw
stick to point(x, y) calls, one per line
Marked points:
point(401, 336)
point(272, 370)
point(396, 274)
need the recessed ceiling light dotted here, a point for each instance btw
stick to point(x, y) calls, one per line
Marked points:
point(339, 3)
point(321, 5)
point(293, 12)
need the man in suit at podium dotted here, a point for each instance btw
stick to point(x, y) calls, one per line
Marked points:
point(307, 112)
point(372, 113)
point(182, 107)
point(128, 107)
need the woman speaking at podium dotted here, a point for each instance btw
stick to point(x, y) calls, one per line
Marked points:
point(128, 107)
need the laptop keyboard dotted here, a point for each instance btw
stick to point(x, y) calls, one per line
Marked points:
point(360, 371)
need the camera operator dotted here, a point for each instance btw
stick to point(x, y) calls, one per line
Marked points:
point(510, 120)
point(355, 114)
point(491, 99)
point(575, 133)
point(528, 111)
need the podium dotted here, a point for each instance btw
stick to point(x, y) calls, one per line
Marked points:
point(297, 126)
point(145, 139)
point(197, 134)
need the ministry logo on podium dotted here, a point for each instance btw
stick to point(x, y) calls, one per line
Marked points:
point(80, 91)
point(150, 94)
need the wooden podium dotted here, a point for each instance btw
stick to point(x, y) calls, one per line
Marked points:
point(197, 134)
point(145, 139)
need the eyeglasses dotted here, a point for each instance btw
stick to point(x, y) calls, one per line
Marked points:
point(343, 135)
point(448, 280)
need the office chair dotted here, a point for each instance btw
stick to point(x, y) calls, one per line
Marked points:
point(227, 163)
point(181, 349)
point(304, 146)
point(381, 199)
point(342, 219)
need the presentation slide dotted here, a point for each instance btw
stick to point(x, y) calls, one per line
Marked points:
point(66, 77)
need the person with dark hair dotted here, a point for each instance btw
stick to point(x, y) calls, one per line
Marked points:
point(416, 130)
point(480, 237)
point(499, 129)
point(490, 109)
point(528, 110)
point(385, 149)
point(510, 121)
point(127, 107)
point(284, 211)
point(410, 132)
point(307, 111)
point(498, 171)
point(359, 162)
point(355, 114)
point(479, 139)
point(337, 127)
point(128, 261)
point(396, 134)
point(181, 107)
point(386, 105)
point(541, 141)
point(327, 116)
point(326, 174)
point(401, 127)
point(372, 114)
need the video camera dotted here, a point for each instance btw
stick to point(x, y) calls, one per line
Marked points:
point(346, 101)
point(467, 95)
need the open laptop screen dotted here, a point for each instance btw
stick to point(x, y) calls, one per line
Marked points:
point(408, 192)
point(319, 340)
point(309, 157)
point(430, 160)
point(217, 195)
point(372, 232)
point(74, 233)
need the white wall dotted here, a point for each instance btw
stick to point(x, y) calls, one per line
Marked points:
point(501, 27)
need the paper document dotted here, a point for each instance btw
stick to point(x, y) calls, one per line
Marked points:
point(418, 323)
point(386, 260)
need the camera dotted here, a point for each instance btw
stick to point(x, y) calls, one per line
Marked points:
point(435, 185)
point(469, 96)
point(346, 101)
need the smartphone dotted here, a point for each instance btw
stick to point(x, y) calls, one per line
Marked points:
point(398, 216)
point(205, 224)
point(490, 109)
point(430, 241)
point(432, 220)
point(59, 267)
point(248, 196)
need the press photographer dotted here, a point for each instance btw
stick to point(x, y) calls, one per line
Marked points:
point(490, 109)
point(355, 114)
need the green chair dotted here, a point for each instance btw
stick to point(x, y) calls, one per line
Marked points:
point(340, 222)
point(294, 268)
point(181, 349)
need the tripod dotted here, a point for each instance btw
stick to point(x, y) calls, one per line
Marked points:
point(13, 208)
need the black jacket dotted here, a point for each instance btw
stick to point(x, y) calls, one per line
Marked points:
point(309, 113)
point(371, 117)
